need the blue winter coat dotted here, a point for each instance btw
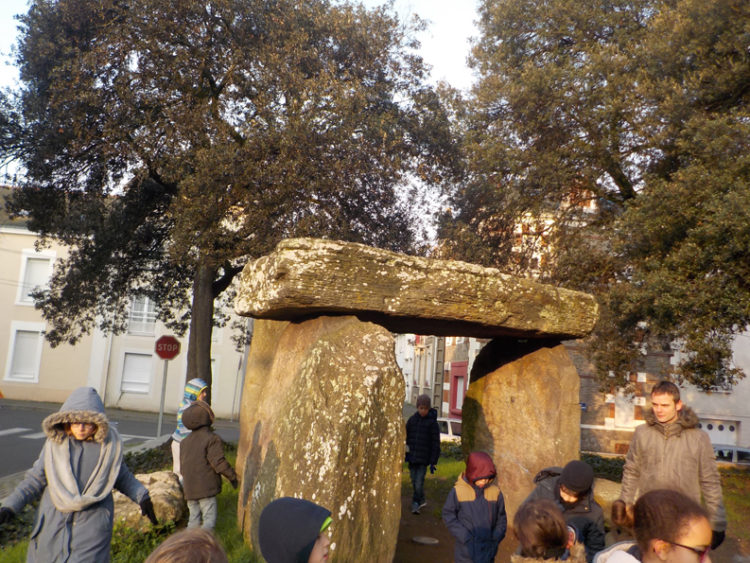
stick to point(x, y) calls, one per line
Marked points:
point(83, 536)
point(423, 438)
point(476, 518)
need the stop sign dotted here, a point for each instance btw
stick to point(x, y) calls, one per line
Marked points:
point(167, 347)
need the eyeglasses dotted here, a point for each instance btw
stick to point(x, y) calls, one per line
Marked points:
point(701, 552)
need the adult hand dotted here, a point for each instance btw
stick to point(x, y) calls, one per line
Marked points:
point(620, 514)
point(147, 509)
point(6, 515)
point(432, 469)
point(716, 539)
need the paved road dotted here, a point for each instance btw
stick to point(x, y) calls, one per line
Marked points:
point(21, 436)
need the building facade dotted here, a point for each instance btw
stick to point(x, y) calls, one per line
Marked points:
point(123, 368)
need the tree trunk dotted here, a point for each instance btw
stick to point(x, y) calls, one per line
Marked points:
point(201, 326)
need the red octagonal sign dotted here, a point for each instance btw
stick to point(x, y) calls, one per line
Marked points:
point(167, 347)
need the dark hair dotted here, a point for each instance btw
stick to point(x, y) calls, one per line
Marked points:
point(424, 400)
point(541, 530)
point(665, 387)
point(192, 545)
point(664, 514)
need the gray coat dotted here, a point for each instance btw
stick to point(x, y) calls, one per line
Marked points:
point(677, 456)
point(84, 535)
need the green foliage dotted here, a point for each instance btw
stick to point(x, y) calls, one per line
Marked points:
point(130, 545)
point(148, 461)
point(605, 467)
point(18, 529)
point(735, 485)
point(451, 450)
point(167, 143)
point(641, 109)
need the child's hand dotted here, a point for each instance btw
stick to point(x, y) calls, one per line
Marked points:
point(234, 483)
point(432, 469)
point(147, 509)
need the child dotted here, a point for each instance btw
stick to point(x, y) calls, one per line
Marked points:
point(195, 390)
point(202, 463)
point(475, 511)
point(571, 488)
point(541, 530)
point(292, 530)
point(192, 545)
point(80, 464)
point(423, 448)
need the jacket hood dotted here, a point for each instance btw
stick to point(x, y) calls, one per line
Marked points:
point(479, 465)
point(193, 388)
point(547, 472)
point(288, 529)
point(197, 415)
point(83, 405)
point(685, 419)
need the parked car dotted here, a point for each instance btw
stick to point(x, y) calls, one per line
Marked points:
point(450, 429)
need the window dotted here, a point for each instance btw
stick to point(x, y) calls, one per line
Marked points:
point(458, 374)
point(136, 373)
point(142, 319)
point(36, 270)
point(26, 340)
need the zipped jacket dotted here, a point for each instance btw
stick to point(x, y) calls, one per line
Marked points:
point(677, 456)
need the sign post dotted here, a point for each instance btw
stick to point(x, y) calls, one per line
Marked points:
point(167, 347)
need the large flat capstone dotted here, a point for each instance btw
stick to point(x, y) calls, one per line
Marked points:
point(307, 277)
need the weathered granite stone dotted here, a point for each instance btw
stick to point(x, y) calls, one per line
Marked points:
point(307, 277)
point(522, 408)
point(321, 420)
point(166, 494)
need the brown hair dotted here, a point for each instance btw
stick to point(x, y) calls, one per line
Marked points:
point(193, 545)
point(541, 530)
point(665, 387)
point(69, 432)
point(664, 514)
point(424, 400)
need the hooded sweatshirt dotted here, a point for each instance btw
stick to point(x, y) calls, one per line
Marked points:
point(476, 516)
point(202, 459)
point(677, 456)
point(288, 529)
point(193, 389)
point(75, 478)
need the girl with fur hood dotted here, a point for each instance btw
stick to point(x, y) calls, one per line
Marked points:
point(475, 511)
point(80, 464)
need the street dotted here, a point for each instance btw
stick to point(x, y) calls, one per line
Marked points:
point(21, 435)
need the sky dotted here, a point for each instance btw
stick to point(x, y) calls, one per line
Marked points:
point(445, 44)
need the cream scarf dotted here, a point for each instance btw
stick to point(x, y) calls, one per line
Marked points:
point(62, 484)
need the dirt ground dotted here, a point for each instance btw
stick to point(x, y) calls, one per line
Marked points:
point(430, 524)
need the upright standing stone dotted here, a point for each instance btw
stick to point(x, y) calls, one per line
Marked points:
point(321, 420)
point(522, 408)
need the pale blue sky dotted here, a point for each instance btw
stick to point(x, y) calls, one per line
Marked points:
point(445, 44)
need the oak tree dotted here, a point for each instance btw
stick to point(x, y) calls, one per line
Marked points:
point(618, 131)
point(167, 143)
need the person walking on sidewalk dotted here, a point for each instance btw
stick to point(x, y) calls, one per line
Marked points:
point(423, 448)
point(80, 464)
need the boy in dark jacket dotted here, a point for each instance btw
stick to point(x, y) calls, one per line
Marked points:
point(423, 448)
point(571, 488)
point(475, 512)
point(202, 463)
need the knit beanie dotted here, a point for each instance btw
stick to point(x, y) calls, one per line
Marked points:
point(577, 476)
point(194, 387)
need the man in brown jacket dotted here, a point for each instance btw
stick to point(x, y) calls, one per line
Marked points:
point(202, 463)
point(671, 452)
